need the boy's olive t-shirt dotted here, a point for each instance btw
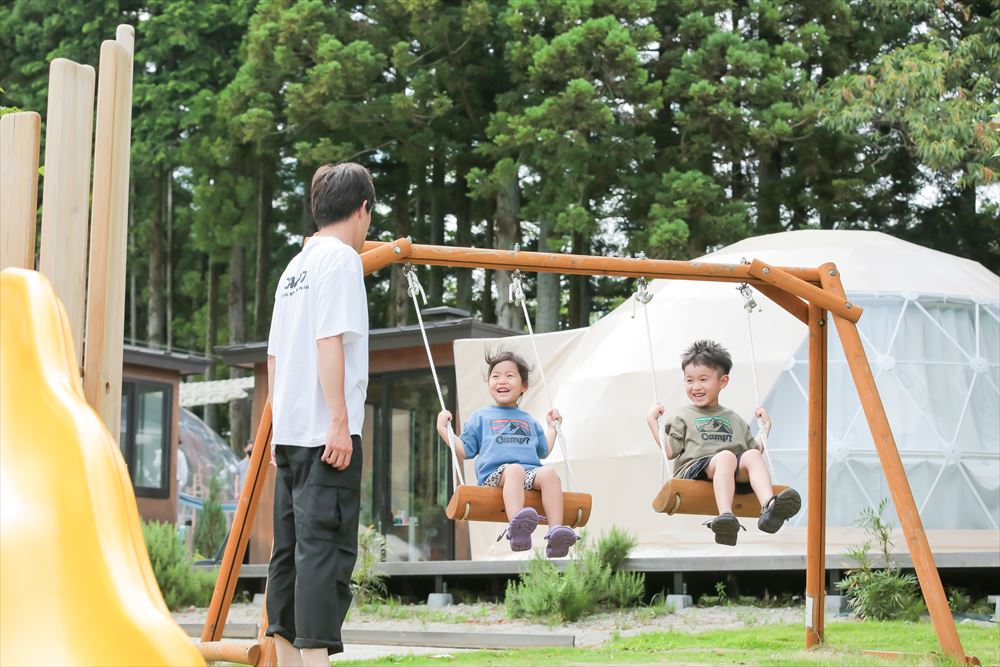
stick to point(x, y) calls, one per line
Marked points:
point(698, 432)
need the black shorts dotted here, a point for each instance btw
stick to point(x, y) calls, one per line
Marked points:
point(698, 469)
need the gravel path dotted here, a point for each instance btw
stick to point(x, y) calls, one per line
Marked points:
point(589, 631)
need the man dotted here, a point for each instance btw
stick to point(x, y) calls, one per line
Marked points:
point(317, 376)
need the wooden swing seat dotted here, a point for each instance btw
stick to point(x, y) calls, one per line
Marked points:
point(484, 503)
point(695, 496)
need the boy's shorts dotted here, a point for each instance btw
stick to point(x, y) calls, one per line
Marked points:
point(698, 469)
point(494, 478)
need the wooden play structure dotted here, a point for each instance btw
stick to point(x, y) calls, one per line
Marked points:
point(815, 296)
point(72, 541)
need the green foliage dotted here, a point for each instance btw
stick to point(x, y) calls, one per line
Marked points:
point(368, 584)
point(180, 583)
point(589, 582)
point(210, 529)
point(880, 593)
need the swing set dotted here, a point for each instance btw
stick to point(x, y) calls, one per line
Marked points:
point(814, 296)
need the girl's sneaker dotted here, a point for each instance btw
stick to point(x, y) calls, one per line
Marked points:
point(521, 527)
point(560, 539)
point(726, 528)
point(778, 510)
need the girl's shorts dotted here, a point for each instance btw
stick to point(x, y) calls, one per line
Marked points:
point(494, 478)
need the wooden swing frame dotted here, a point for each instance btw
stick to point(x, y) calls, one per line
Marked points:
point(811, 295)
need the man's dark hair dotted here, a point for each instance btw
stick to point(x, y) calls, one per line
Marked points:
point(338, 190)
point(707, 353)
point(494, 358)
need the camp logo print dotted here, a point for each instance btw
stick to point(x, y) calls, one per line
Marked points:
point(511, 431)
point(714, 428)
point(294, 284)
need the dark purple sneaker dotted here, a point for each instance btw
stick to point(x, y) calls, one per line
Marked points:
point(521, 527)
point(560, 538)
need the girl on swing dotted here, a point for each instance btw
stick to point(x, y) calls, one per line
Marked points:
point(508, 445)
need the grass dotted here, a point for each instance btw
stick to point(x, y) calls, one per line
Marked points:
point(393, 609)
point(776, 645)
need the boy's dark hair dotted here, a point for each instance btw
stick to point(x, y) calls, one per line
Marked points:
point(338, 190)
point(707, 353)
point(499, 356)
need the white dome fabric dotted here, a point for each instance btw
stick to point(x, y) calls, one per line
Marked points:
point(931, 329)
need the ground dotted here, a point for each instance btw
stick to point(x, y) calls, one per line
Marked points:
point(652, 635)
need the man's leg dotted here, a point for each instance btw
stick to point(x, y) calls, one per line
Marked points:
point(281, 571)
point(326, 522)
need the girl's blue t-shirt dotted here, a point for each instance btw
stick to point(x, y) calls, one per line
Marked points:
point(498, 435)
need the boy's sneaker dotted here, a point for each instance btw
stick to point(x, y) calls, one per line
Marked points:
point(560, 539)
point(726, 528)
point(778, 510)
point(521, 527)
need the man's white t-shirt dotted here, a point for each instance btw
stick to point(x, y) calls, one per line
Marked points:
point(320, 294)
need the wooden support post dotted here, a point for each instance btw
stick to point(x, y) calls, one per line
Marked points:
point(384, 255)
point(239, 534)
point(19, 137)
point(816, 532)
point(892, 466)
point(242, 654)
point(780, 277)
point(795, 306)
point(109, 221)
point(69, 132)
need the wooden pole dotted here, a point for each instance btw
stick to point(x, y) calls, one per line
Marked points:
point(892, 466)
point(550, 262)
point(795, 306)
point(816, 532)
point(242, 654)
point(19, 137)
point(69, 132)
point(239, 534)
point(109, 221)
point(779, 277)
point(382, 256)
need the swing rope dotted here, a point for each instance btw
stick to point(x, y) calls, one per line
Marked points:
point(644, 296)
point(414, 289)
point(750, 305)
point(516, 294)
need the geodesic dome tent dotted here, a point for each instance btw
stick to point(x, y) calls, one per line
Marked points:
point(930, 329)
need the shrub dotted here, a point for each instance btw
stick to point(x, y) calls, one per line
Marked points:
point(180, 583)
point(211, 527)
point(368, 585)
point(588, 582)
point(880, 593)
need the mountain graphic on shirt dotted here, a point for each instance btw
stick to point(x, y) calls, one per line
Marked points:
point(511, 431)
point(713, 425)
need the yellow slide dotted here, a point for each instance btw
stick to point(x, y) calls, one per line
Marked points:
point(76, 586)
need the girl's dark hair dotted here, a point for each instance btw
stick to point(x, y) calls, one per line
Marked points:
point(494, 358)
point(707, 353)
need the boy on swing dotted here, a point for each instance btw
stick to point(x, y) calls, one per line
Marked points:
point(711, 442)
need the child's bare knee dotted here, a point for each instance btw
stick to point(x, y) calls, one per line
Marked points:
point(514, 471)
point(725, 458)
point(547, 476)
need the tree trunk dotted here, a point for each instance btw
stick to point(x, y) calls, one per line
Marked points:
point(239, 428)
point(261, 302)
point(154, 315)
point(549, 301)
point(399, 304)
point(507, 235)
point(489, 315)
point(169, 220)
point(437, 195)
point(463, 217)
point(769, 192)
point(211, 329)
point(580, 296)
